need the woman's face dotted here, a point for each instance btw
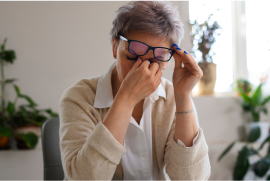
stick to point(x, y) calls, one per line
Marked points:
point(126, 60)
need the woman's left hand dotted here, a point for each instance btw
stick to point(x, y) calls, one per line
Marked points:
point(185, 79)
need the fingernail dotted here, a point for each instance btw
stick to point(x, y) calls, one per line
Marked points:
point(175, 45)
point(178, 48)
point(185, 52)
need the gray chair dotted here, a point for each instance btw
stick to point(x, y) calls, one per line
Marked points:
point(53, 169)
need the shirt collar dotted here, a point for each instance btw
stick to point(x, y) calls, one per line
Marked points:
point(104, 93)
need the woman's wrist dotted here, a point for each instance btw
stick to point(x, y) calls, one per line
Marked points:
point(183, 103)
point(125, 100)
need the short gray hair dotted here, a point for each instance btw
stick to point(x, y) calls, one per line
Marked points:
point(154, 17)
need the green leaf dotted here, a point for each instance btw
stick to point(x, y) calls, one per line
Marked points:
point(31, 139)
point(3, 45)
point(265, 110)
point(254, 134)
point(10, 108)
point(5, 132)
point(246, 106)
point(245, 97)
point(268, 150)
point(267, 139)
point(261, 167)
point(226, 150)
point(30, 101)
point(256, 116)
point(242, 164)
point(8, 56)
point(256, 98)
point(9, 81)
point(265, 101)
point(51, 113)
point(251, 151)
point(17, 89)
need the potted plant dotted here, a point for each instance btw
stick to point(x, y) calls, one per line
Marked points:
point(260, 165)
point(203, 37)
point(255, 104)
point(244, 86)
point(20, 122)
point(5, 129)
point(27, 120)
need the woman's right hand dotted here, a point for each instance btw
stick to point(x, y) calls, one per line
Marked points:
point(142, 80)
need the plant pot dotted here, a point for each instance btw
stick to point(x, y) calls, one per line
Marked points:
point(264, 126)
point(4, 143)
point(26, 129)
point(206, 84)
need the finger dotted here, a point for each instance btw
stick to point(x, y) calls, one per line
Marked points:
point(154, 67)
point(182, 56)
point(145, 64)
point(197, 73)
point(161, 68)
point(186, 56)
point(136, 64)
point(177, 57)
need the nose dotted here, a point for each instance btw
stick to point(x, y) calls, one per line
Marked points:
point(149, 56)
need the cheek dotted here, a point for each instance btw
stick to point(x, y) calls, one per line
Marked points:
point(123, 67)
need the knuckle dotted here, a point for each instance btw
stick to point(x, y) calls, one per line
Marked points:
point(144, 71)
point(153, 85)
point(148, 75)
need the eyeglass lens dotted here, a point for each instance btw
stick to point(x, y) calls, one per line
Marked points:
point(138, 48)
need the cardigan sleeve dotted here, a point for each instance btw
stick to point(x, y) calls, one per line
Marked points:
point(88, 149)
point(194, 140)
point(187, 163)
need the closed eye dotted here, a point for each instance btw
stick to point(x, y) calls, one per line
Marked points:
point(152, 60)
point(131, 58)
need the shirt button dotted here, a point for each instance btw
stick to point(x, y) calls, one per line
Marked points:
point(143, 155)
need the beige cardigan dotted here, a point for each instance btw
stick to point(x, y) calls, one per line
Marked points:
point(90, 152)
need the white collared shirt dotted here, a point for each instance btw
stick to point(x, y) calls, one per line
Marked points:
point(137, 161)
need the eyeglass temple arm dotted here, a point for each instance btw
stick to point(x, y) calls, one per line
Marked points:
point(123, 38)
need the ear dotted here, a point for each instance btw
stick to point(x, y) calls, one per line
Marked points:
point(114, 48)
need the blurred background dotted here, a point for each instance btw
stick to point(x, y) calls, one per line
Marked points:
point(48, 46)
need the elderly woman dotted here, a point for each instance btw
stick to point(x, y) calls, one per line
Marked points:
point(130, 123)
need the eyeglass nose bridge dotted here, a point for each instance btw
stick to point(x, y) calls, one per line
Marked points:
point(150, 48)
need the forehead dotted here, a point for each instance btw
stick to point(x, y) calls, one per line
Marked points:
point(149, 39)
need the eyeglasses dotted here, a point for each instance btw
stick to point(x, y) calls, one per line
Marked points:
point(139, 48)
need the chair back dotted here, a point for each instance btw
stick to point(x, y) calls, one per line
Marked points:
point(53, 169)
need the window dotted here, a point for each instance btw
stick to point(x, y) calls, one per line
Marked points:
point(222, 48)
point(258, 42)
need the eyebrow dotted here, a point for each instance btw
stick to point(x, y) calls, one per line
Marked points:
point(125, 39)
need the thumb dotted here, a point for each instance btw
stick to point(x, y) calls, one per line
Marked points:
point(137, 64)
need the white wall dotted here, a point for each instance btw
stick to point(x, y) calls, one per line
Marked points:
point(59, 43)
